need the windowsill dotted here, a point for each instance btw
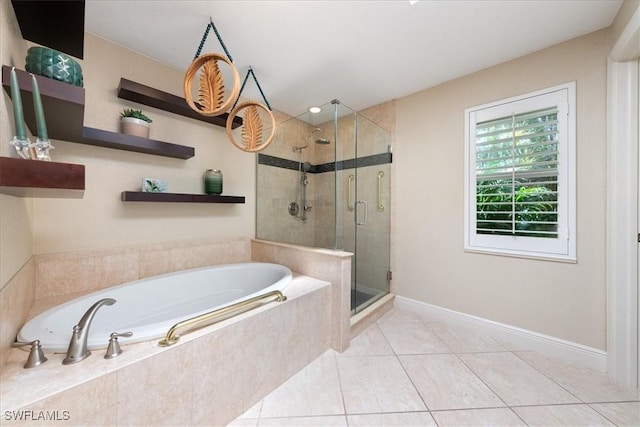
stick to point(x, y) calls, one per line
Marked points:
point(513, 254)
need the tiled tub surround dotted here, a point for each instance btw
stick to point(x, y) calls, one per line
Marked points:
point(35, 388)
point(208, 378)
point(324, 264)
point(15, 301)
point(53, 278)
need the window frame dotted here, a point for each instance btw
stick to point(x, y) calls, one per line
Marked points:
point(562, 248)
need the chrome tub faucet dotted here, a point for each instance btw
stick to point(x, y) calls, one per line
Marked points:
point(77, 350)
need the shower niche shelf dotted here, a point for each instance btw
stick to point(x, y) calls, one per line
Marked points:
point(64, 110)
point(139, 196)
point(34, 178)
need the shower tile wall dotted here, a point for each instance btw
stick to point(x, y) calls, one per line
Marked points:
point(277, 187)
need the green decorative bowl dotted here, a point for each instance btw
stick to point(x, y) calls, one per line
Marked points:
point(54, 65)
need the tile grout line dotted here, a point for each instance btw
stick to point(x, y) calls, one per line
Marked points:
point(549, 378)
point(344, 405)
point(405, 370)
point(506, 405)
point(601, 414)
point(397, 356)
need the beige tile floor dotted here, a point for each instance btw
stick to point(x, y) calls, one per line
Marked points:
point(409, 371)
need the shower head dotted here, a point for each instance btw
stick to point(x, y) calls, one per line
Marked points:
point(321, 141)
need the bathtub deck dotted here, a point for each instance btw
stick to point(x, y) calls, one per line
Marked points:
point(49, 386)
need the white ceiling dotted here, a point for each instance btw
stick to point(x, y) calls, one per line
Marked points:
point(363, 53)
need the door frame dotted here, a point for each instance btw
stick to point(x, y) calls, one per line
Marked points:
point(623, 120)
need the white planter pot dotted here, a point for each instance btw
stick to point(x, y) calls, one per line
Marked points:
point(135, 127)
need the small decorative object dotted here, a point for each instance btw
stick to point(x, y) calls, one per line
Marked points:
point(54, 65)
point(134, 122)
point(42, 144)
point(20, 141)
point(212, 181)
point(152, 185)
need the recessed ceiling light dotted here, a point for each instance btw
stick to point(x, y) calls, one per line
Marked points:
point(315, 110)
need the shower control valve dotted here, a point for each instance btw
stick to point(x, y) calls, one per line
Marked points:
point(36, 355)
point(114, 350)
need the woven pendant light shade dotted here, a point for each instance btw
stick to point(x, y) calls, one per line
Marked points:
point(253, 125)
point(213, 98)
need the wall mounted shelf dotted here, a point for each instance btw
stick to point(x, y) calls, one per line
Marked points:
point(146, 95)
point(139, 196)
point(34, 178)
point(64, 110)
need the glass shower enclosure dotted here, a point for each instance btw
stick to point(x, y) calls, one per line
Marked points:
point(325, 182)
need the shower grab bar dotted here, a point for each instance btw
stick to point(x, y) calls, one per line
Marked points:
point(172, 336)
point(380, 205)
point(366, 212)
point(350, 206)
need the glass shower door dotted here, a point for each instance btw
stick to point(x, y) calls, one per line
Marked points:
point(371, 265)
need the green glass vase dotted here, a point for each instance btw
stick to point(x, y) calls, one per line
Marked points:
point(212, 182)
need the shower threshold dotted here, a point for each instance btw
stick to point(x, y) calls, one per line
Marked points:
point(361, 300)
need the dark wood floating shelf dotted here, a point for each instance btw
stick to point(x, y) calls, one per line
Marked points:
point(34, 178)
point(139, 196)
point(146, 95)
point(64, 111)
point(120, 141)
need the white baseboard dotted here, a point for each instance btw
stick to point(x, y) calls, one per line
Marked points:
point(515, 338)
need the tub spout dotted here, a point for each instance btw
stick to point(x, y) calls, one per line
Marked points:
point(78, 345)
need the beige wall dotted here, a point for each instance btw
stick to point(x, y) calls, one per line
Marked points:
point(100, 220)
point(16, 214)
point(559, 299)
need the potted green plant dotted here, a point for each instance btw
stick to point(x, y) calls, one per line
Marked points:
point(134, 122)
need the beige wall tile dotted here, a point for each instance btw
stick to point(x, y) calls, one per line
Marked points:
point(331, 266)
point(64, 275)
point(157, 391)
point(15, 302)
point(91, 403)
point(218, 379)
point(111, 270)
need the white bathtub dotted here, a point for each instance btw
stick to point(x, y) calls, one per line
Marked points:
point(149, 307)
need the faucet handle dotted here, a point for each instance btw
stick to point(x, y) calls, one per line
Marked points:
point(36, 355)
point(114, 350)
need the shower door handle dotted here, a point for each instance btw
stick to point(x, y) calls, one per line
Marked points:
point(366, 212)
point(380, 205)
point(350, 206)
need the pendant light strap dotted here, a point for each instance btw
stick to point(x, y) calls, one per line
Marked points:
point(250, 71)
point(226, 51)
point(211, 25)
